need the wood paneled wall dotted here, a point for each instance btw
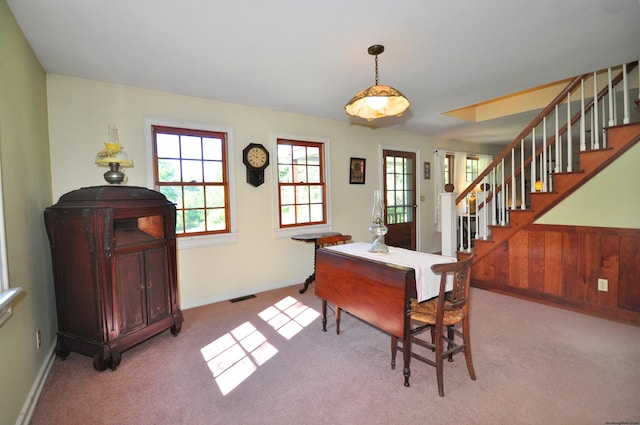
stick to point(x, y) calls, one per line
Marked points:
point(560, 265)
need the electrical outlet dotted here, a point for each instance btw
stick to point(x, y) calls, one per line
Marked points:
point(38, 338)
point(603, 285)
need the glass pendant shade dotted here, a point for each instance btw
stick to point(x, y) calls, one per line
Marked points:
point(377, 101)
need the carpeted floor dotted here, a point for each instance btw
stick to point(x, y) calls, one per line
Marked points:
point(266, 361)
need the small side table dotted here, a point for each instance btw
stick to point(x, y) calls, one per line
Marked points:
point(312, 237)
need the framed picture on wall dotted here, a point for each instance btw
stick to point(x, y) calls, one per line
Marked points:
point(357, 169)
point(427, 170)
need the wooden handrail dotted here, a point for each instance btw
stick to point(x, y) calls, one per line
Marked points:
point(535, 122)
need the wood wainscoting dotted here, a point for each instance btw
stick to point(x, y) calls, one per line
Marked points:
point(561, 265)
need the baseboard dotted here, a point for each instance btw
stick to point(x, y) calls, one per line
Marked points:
point(237, 294)
point(24, 418)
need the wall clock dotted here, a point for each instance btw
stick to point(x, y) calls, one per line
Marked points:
point(256, 158)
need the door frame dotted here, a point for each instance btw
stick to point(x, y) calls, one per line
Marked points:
point(381, 175)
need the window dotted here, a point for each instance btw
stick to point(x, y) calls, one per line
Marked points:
point(6, 293)
point(301, 183)
point(190, 169)
point(448, 168)
point(472, 168)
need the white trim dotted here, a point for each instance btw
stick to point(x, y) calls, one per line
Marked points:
point(418, 178)
point(24, 418)
point(287, 232)
point(186, 242)
point(241, 293)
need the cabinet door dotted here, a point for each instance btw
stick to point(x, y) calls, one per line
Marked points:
point(157, 280)
point(130, 291)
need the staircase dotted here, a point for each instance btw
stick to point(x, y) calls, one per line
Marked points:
point(557, 153)
point(621, 138)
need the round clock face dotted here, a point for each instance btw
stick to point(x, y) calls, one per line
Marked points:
point(256, 157)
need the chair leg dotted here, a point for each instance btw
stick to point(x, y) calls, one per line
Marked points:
point(439, 365)
point(394, 349)
point(467, 347)
point(324, 315)
point(450, 336)
point(433, 338)
point(337, 320)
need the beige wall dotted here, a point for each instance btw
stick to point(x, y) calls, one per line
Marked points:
point(26, 186)
point(80, 111)
point(610, 199)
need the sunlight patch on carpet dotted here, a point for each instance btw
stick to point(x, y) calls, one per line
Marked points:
point(233, 357)
point(236, 355)
point(289, 316)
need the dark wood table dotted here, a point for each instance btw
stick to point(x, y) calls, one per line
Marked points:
point(378, 291)
point(312, 237)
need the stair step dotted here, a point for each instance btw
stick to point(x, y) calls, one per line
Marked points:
point(518, 218)
point(620, 139)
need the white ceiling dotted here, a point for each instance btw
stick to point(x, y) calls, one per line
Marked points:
point(310, 57)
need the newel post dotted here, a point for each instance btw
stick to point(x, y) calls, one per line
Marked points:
point(449, 217)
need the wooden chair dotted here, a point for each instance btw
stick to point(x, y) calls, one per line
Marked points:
point(447, 310)
point(330, 241)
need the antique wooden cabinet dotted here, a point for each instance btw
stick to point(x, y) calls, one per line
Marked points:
point(114, 262)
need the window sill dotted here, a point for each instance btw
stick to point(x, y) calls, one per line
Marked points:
point(188, 242)
point(292, 231)
point(5, 302)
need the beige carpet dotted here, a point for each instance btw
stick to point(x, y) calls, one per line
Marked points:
point(266, 361)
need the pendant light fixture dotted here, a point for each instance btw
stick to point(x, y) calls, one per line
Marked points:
point(377, 101)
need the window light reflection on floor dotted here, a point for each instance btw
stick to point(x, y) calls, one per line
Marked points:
point(236, 355)
point(289, 316)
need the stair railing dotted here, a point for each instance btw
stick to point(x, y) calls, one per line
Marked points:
point(547, 146)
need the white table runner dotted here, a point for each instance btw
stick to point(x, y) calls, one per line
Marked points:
point(427, 282)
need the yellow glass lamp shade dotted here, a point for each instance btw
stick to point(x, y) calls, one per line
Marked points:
point(115, 158)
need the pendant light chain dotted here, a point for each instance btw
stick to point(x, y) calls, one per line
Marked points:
point(376, 70)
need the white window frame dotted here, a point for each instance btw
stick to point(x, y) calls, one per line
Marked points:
point(287, 232)
point(197, 240)
point(6, 293)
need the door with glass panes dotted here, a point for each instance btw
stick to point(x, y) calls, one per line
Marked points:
point(400, 198)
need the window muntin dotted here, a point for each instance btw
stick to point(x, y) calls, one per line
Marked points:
point(472, 168)
point(190, 169)
point(301, 185)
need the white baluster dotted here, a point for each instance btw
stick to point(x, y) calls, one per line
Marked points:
point(595, 130)
point(494, 200)
point(550, 177)
point(469, 222)
point(604, 130)
point(557, 147)
point(533, 160)
point(513, 178)
point(502, 197)
point(611, 116)
point(544, 154)
point(625, 92)
point(523, 193)
point(569, 138)
point(461, 233)
point(583, 139)
point(592, 143)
